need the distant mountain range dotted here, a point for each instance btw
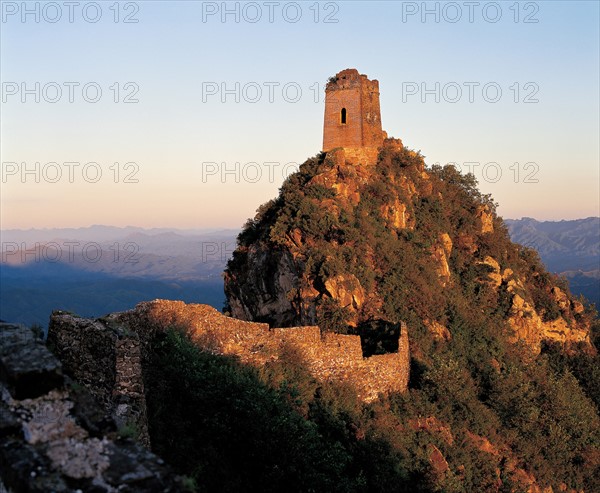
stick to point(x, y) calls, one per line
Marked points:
point(569, 248)
point(122, 252)
point(96, 233)
point(96, 270)
point(46, 269)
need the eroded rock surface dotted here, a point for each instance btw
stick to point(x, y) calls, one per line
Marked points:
point(58, 439)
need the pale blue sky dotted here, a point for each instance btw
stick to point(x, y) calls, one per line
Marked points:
point(171, 53)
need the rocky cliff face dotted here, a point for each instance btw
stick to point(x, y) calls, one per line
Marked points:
point(346, 242)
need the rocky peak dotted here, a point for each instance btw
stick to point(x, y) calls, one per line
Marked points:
point(346, 242)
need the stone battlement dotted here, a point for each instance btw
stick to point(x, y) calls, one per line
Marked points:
point(108, 355)
point(331, 356)
point(351, 78)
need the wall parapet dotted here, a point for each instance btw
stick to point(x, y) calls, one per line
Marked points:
point(329, 356)
point(110, 355)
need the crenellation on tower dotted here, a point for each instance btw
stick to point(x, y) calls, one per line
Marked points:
point(352, 115)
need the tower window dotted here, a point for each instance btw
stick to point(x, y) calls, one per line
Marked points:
point(343, 116)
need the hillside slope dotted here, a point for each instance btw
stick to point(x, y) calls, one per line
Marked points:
point(504, 390)
point(345, 244)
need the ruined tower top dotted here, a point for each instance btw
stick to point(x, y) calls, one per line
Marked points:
point(352, 115)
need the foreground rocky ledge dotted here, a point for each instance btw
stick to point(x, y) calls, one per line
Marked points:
point(54, 437)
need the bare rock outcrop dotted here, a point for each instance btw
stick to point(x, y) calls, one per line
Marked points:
point(529, 327)
point(55, 437)
point(486, 220)
point(526, 323)
point(438, 330)
point(440, 253)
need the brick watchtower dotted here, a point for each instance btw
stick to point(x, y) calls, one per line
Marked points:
point(352, 115)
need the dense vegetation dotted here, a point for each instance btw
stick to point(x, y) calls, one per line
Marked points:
point(396, 265)
point(233, 428)
point(481, 413)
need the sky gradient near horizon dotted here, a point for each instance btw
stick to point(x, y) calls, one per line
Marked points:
point(516, 99)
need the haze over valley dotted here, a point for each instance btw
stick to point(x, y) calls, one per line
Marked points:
point(124, 266)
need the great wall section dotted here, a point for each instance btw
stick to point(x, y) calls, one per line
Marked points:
point(61, 411)
point(108, 355)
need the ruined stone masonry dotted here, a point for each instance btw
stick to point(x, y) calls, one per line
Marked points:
point(329, 356)
point(352, 116)
point(332, 357)
point(106, 358)
point(55, 437)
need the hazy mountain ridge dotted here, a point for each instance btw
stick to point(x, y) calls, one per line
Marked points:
point(194, 259)
point(102, 233)
point(564, 245)
point(119, 268)
point(569, 247)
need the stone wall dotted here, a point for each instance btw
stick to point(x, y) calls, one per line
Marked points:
point(331, 357)
point(87, 351)
point(109, 355)
point(335, 133)
point(129, 400)
point(372, 133)
point(105, 357)
point(55, 437)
